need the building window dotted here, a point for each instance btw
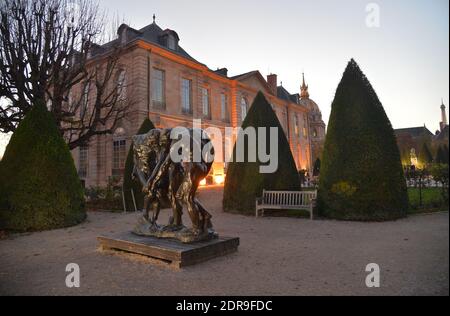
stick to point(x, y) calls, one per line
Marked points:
point(121, 86)
point(186, 95)
point(244, 108)
point(171, 42)
point(83, 161)
point(85, 100)
point(158, 85)
point(70, 102)
point(205, 103)
point(315, 134)
point(296, 126)
point(224, 107)
point(119, 156)
point(305, 129)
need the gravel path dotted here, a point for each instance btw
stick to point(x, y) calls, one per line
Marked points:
point(277, 256)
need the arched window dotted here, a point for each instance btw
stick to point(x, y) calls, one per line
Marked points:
point(244, 108)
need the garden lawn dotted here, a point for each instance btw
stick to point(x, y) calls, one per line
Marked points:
point(432, 200)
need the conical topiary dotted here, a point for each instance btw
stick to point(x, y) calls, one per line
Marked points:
point(316, 168)
point(40, 187)
point(442, 155)
point(130, 184)
point(244, 181)
point(361, 176)
point(425, 156)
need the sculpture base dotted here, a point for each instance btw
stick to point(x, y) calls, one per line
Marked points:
point(171, 251)
point(181, 233)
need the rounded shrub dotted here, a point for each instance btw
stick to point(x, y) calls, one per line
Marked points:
point(134, 184)
point(244, 181)
point(39, 184)
point(361, 174)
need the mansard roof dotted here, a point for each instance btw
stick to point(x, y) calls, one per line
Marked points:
point(283, 94)
point(414, 131)
point(151, 33)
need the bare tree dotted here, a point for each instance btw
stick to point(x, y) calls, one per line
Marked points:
point(47, 54)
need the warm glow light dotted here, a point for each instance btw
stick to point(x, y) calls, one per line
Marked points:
point(203, 182)
point(219, 179)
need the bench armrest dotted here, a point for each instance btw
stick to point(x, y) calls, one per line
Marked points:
point(259, 200)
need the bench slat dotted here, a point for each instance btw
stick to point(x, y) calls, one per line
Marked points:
point(287, 200)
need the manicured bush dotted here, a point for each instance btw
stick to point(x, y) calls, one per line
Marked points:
point(40, 187)
point(361, 174)
point(107, 198)
point(244, 181)
point(442, 155)
point(134, 184)
point(316, 169)
point(425, 156)
point(439, 172)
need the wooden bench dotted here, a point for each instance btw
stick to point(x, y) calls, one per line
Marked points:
point(286, 200)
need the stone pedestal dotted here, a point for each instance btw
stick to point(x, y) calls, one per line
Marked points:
point(171, 251)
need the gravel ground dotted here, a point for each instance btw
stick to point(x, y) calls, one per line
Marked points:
point(277, 256)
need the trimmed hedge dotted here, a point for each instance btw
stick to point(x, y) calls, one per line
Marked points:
point(244, 182)
point(361, 176)
point(128, 182)
point(39, 184)
point(442, 155)
point(425, 156)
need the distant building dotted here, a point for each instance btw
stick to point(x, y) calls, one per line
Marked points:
point(173, 88)
point(412, 139)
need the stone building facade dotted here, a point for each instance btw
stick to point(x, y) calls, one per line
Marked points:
point(172, 88)
point(410, 140)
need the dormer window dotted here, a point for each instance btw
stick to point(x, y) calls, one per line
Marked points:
point(169, 39)
point(171, 42)
point(122, 33)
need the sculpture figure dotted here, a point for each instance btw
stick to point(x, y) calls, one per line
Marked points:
point(174, 181)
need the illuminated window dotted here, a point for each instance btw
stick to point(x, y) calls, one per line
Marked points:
point(305, 128)
point(119, 156)
point(244, 108)
point(296, 126)
point(205, 103)
point(158, 84)
point(186, 95)
point(82, 161)
point(224, 107)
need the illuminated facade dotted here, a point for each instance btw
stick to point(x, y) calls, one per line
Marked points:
point(172, 89)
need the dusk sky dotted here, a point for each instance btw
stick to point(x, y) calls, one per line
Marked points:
point(405, 58)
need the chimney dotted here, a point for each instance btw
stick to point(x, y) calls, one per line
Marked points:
point(222, 71)
point(273, 84)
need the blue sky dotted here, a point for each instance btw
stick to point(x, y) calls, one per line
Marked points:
point(406, 58)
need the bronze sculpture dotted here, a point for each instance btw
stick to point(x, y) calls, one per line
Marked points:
point(168, 181)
